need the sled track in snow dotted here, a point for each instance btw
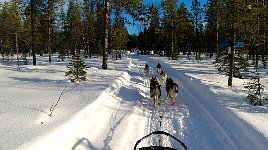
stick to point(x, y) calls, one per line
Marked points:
point(159, 119)
point(213, 124)
point(168, 118)
point(179, 122)
point(187, 97)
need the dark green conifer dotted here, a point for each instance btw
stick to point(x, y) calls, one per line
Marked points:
point(77, 69)
point(256, 89)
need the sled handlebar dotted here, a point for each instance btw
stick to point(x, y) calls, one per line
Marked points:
point(160, 132)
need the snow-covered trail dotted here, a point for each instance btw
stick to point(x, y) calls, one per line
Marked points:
point(205, 123)
point(115, 120)
point(123, 113)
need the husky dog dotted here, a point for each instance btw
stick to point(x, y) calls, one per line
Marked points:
point(169, 83)
point(155, 91)
point(172, 89)
point(146, 70)
point(158, 67)
point(163, 76)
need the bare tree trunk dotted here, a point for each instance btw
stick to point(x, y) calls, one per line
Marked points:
point(33, 15)
point(217, 34)
point(231, 65)
point(17, 47)
point(1, 49)
point(16, 33)
point(172, 44)
point(265, 47)
point(49, 29)
point(231, 54)
point(105, 50)
point(217, 44)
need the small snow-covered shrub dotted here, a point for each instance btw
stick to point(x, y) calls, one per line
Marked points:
point(77, 69)
point(256, 90)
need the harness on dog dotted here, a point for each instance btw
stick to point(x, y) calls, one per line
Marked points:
point(173, 103)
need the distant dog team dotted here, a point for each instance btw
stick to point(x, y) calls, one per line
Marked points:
point(172, 88)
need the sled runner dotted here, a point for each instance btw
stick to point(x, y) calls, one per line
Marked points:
point(159, 147)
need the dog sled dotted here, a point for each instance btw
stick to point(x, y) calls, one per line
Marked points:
point(157, 134)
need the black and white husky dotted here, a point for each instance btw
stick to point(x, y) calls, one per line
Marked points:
point(158, 67)
point(163, 76)
point(146, 70)
point(155, 91)
point(172, 89)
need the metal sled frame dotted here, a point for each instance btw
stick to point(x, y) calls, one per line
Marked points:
point(158, 147)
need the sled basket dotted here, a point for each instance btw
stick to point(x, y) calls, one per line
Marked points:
point(156, 148)
point(159, 147)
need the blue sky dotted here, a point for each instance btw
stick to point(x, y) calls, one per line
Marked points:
point(187, 2)
point(137, 28)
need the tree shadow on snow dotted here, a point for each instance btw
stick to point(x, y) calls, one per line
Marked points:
point(133, 74)
point(33, 80)
point(136, 81)
point(24, 107)
point(115, 121)
point(128, 94)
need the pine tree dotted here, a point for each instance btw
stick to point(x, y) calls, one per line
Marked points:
point(100, 26)
point(5, 30)
point(212, 28)
point(154, 29)
point(74, 26)
point(240, 63)
point(255, 88)
point(256, 16)
point(50, 22)
point(26, 30)
point(128, 6)
point(184, 30)
point(197, 21)
point(230, 28)
point(61, 31)
point(33, 9)
point(89, 29)
point(119, 37)
point(16, 21)
point(169, 24)
point(77, 69)
point(106, 35)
